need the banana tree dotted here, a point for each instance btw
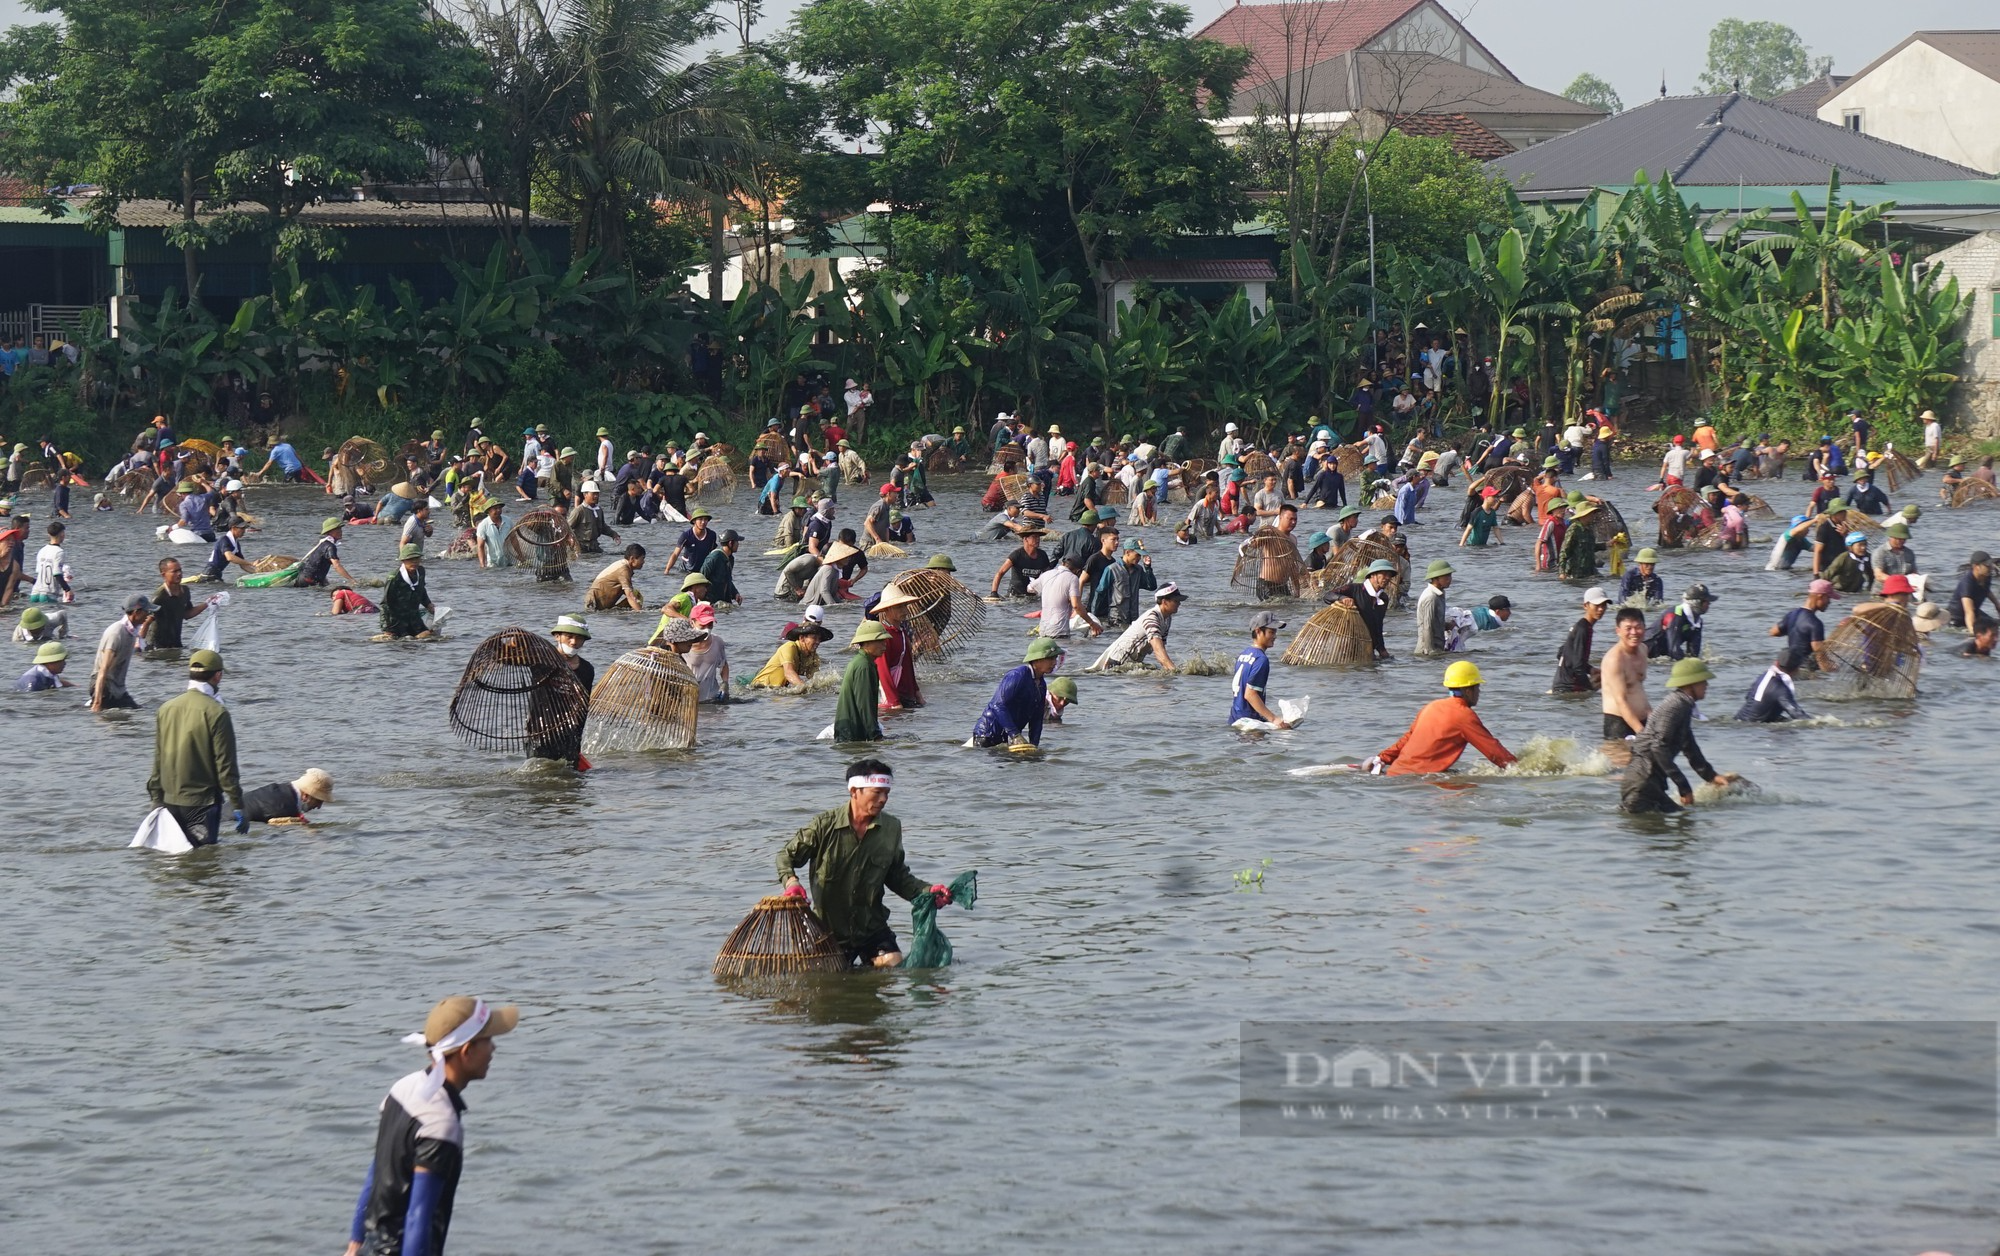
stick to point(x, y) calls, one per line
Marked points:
point(1499, 283)
point(1818, 246)
point(1026, 316)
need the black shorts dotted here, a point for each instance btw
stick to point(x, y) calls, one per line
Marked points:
point(881, 942)
point(1616, 729)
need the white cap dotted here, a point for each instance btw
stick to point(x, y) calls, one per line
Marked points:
point(1229, 427)
point(1596, 596)
point(234, 486)
point(701, 435)
point(1003, 417)
point(815, 614)
point(589, 486)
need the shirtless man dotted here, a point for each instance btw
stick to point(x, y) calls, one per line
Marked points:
point(1624, 676)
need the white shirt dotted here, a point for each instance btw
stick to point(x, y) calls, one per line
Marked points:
point(1573, 435)
point(1933, 433)
point(1230, 445)
point(49, 569)
point(530, 449)
point(1058, 586)
point(1676, 461)
point(857, 399)
point(604, 468)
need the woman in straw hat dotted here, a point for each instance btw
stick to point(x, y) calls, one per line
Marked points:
point(896, 666)
point(796, 660)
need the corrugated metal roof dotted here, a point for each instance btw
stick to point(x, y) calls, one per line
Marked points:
point(339, 214)
point(1717, 140)
point(1194, 270)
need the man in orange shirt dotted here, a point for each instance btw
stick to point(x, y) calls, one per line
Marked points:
point(1442, 731)
point(1704, 435)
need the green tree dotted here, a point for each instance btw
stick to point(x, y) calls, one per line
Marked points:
point(1588, 89)
point(1761, 59)
point(1079, 128)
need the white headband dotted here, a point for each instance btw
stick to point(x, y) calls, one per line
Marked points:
point(880, 780)
point(467, 1030)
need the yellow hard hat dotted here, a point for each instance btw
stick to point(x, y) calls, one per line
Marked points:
point(1462, 675)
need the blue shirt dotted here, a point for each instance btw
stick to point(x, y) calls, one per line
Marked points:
point(36, 679)
point(1803, 629)
point(287, 458)
point(1017, 707)
point(1253, 672)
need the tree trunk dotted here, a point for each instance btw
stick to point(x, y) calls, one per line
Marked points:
point(190, 272)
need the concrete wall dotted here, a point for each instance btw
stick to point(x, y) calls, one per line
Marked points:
point(1976, 400)
point(1922, 99)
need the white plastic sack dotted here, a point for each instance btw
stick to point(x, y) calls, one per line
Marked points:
point(437, 618)
point(181, 536)
point(825, 734)
point(1291, 711)
point(160, 831)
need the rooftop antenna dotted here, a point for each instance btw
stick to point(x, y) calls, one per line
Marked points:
point(1663, 83)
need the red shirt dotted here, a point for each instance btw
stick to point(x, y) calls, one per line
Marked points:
point(896, 669)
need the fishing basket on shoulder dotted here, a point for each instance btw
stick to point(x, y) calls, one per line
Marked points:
point(780, 935)
point(1973, 491)
point(715, 482)
point(1348, 458)
point(1335, 636)
point(542, 540)
point(1192, 473)
point(520, 694)
point(270, 563)
point(1848, 519)
point(646, 700)
point(1511, 480)
point(1014, 486)
point(945, 615)
point(1897, 469)
point(1757, 508)
point(1522, 509)
point(365, 458)
point(1257, 464)
point(1605, 521)
point(1346, 566)
point(1879, 641)
point(205, 455)
point(1271, 558)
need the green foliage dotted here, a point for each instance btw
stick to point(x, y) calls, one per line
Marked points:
point(1425, 193)
point(1588, 89)
point(1765, 58)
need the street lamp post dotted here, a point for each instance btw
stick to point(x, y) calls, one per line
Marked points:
point(1368, 192)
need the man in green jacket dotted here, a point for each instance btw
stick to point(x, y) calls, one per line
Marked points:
point(854, 714)
point(194, 755)
point(856, 852)
point(407, 597)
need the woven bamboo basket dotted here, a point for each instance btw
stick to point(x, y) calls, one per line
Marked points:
point(1879, 641)
point(945, 615)
point(208, 449)
point(37, 477)
point(542, 540)
point(730, 454)
point(1606, 522)
point(1257, 464)
point(1897, 469)
point(1510, 480)
point(715, 483)
point(1273, 557)
point(464, 545)
point(941, 461)
point(1973, 491)
point(1681, 512)
point(780, 935)
point(1758, 509)
point(1848, 520)
point(520, 694)
point(170, 502)
point(1348, 458)
point(135, 483)
point(1522, 509)
point(887, 549)
point(1346, 566)
point(646, 700)
point(773, 447)
point(1014, 487)
point(1009, 459)
point(368, 459)
point(1116, 494)
point(1336, 636)
point(270, 563)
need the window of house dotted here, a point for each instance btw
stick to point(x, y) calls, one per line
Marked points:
point(1851, 119)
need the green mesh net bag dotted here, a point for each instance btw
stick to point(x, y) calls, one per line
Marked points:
point(929, 948)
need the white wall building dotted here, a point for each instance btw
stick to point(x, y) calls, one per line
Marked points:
point(1937, 92)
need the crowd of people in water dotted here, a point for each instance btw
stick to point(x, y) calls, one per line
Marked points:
point(1067, 522)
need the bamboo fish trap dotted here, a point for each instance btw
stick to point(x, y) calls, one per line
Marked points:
point(1014, 486)
point(270, 563)
point(1897, 469)
point(364, 458)
point(542, 540)
point(1848, 519)
point(1335, 636)
point(887, 549)
point(780, 935)
point(945, 615)
point(1681, 513)
point(1346, 566)
point(1257, 464)
point(135, 483)
point(519, 693)
point(1758, 509)
point(1973, 491)
point(1271, 557)
point(1522, 509)
point(1879, 641)
point(715, 482)
point(646, 700)
point(1605, 521)
point(1348, 459)
point(1511, 480)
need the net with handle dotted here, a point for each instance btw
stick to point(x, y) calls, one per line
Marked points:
point(1271, 557)
point(945, 615)
point(1879, 641)
point(1757, 508)
point(780, 935)
point(1897, 469)
point(715, 483)
point(1335, 636)
point(1257, 464)
point(929, 948)
point(542, 540)
point(277, 578)
point(1973, 491)
point(646, 700)
point(519, 693)
point(170, 503)
point(1346, 566)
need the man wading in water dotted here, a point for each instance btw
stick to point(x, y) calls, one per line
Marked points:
point(405, 1205)
point(856, 852)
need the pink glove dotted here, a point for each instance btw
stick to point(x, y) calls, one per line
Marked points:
point(941, 895)
point(795, 890)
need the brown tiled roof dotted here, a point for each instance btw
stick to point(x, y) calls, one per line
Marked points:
point(1286, 37)
point(1194, 270)
point(1467, 135)
point(15, 191)
point(1808, 97)
point(340, 214)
